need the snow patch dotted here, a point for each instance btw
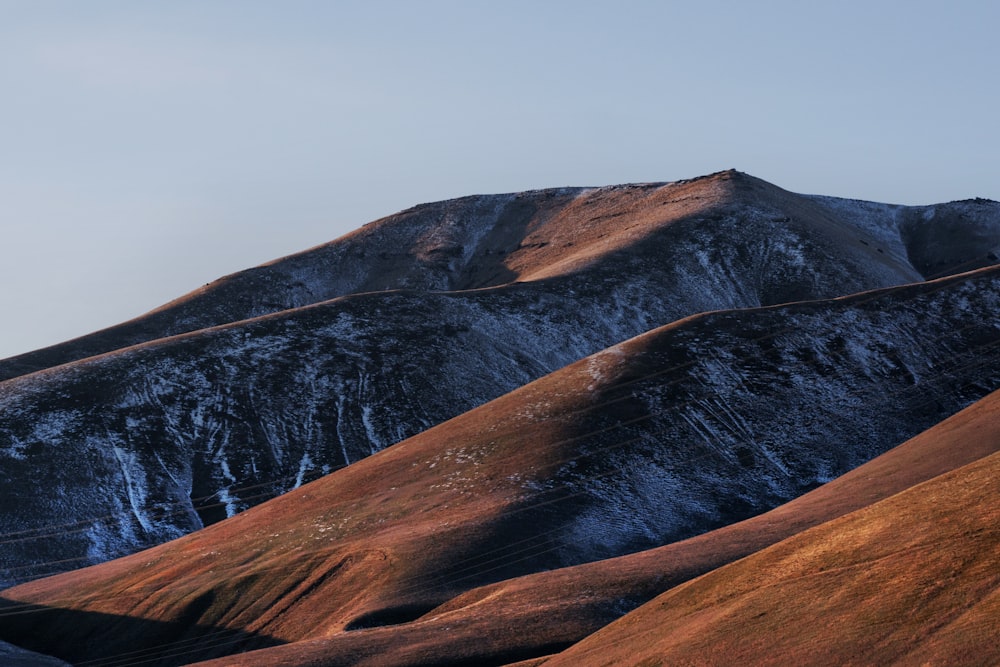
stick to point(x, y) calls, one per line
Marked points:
point(135, 484)
point(305, 465)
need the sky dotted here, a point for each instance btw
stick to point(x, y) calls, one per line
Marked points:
point(148, 148)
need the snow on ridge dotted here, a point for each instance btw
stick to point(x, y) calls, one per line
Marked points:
point(135, 484)
point(740, 433)
point(604, 365)
point(230, 502)
point(305, 465)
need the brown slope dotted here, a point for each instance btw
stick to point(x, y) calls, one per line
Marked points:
point(535, 614)
point(911, 580)
point(183, 431)
point(492, 240)
point(395, 535)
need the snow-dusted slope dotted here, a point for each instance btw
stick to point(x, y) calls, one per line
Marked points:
point(445, 307)
point(730, 223)
point(687, 427)
point(936, 240)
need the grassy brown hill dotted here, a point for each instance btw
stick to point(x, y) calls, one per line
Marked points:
point(690, 427)
point(531, 615)
point(910, 580)
point(162, 435)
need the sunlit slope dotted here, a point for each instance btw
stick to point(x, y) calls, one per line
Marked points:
point(911, 580)
point(688, 428)
point(536, 614)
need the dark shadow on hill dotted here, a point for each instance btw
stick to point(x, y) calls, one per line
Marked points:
point(951, 238)
point(678, 443)
point(91, 638)
point(487, 268)
point(680, 430)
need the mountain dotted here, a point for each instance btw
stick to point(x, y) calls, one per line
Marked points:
point(499, 399)
point(687, 428)
point(731, 225)
point(286, 374)
point(494, 240)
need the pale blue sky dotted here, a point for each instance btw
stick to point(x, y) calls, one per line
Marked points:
point(147, 148)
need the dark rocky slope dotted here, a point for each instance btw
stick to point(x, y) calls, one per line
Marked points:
point(728, 225)
point(690, 427)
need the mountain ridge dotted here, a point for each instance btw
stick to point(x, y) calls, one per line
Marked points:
point(182, 425)
point(291, 271)
point(517, 384)
point(381, 535)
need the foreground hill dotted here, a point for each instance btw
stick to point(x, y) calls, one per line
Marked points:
point(163, 434)
point(911, 580)
point(534, 614)
point(687, 428)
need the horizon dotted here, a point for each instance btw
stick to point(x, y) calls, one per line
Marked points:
point(153, 149)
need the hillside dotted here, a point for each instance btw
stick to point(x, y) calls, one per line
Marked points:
point(479, 431)
point(181, 431)
point(534, 614)
point(911, 580)
point(687, 428)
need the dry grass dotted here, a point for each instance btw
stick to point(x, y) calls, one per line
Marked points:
point(389, 539)
point(535, 612)
point(909, 580)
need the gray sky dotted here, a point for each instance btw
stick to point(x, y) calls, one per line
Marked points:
point(147, 148)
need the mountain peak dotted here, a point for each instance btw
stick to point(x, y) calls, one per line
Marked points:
point(359, 440)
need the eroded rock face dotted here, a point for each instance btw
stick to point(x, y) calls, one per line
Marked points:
point(317, 360)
